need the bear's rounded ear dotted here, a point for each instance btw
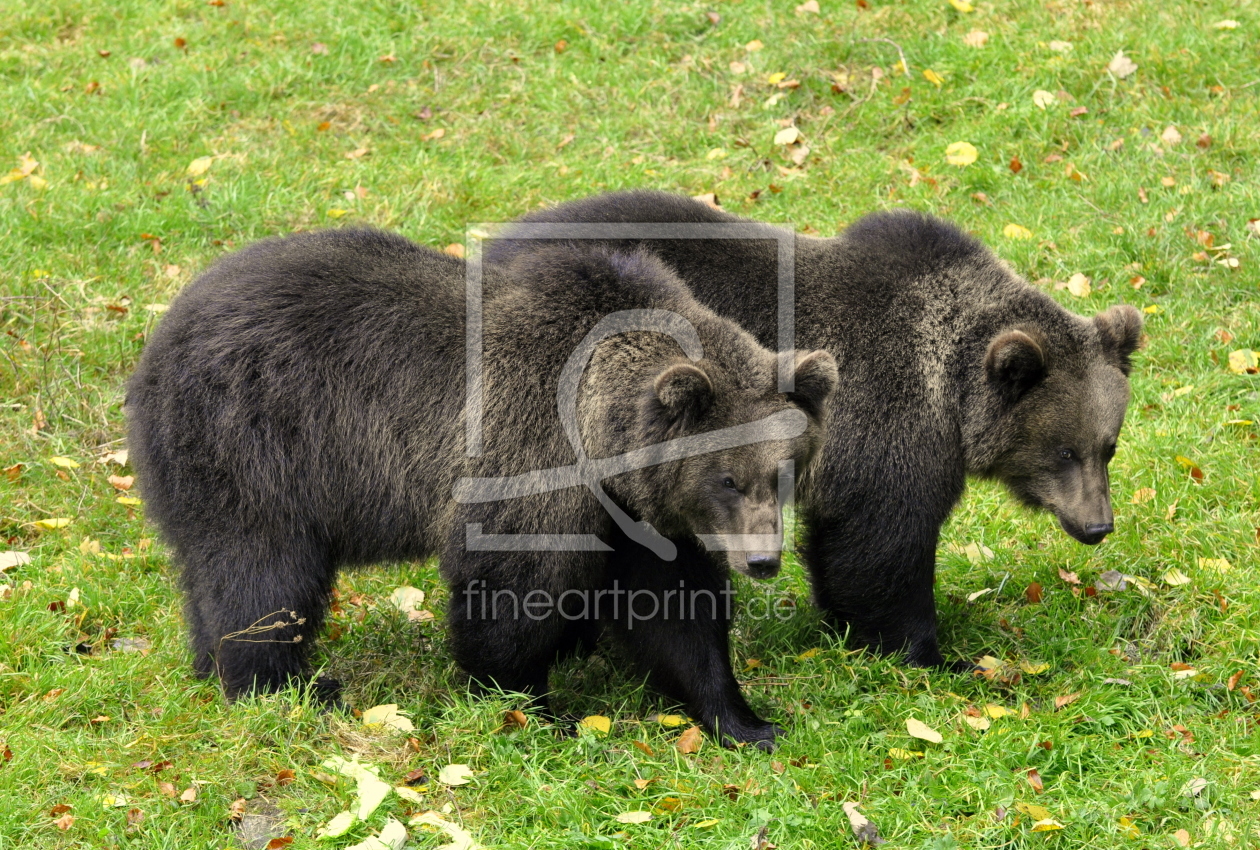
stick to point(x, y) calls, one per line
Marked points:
point(1014, 363)
point(1120, 329)
point(817, 377)
point(684, 391)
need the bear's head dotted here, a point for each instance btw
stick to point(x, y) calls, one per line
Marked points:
point(728, 490)
point(1064, 397)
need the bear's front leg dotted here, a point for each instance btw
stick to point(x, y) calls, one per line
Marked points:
point(674, 617)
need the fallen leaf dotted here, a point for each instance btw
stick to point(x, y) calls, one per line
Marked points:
point(433, 135)
point(280, 843)
point(1182, 837)
point(972, 597)
point(1015, 165)
point(1033, 669)
point(1140, 496)
point(1220, 565)
point(997, 711)
point(1046, 825)
point(1016, 231)
point(1033, 593)
point(461, 839)
point(1078, 285)
point(388, 715)
point(1111, 580)
point(1034, 779)
point(863, 830)
point(1068, 699)
point(1244, 361)
point(1194, 787)
point(1069, 577)
point(809, 7)
point(754, 45)
point(122, 482)
point(1121, 66)
point(407, 598)
point(199, 166)
point(9, 560)
point(673, 721)
point(1233, 681)
point(455, 774)
point(919, 729)
point(787, 136)
point(1033, 811)
point(634, 817)
point(1060, 46)
point(64, 822)
point(64, 462)
point(1042, 98)
point(961, 154)
point(899, 753)
point(1226, 24)
point(1175, 578)
point(933, 77)
point(515, 719)
point(690, 740)
point(976, 38)
point(596, 723)
point(962, 5)
point(1171, 136)
point(54, 522)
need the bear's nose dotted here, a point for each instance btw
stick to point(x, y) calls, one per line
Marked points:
point(762, 563)
point(1096, 532)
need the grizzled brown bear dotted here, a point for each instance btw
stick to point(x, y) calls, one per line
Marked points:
point(953, 366)
point(301, 408)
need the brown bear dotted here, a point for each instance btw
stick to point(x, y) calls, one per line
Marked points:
point(301, 407)
point(953, 366)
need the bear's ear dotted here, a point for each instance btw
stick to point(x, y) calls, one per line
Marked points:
point(1014, 363)
point(685, 393)
point(816, 379)
point(1120, 329)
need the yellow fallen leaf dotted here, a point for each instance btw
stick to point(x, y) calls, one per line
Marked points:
point(671, 720)
point(337, 827)
point(597, 723)
point(200, 166)
point(1226, 24)
point(115, 801)
point(787, 136)
point(634, 817)
point(707, 822)
point(997, 711)
point(962, 6)
point(716, 153)
point(919, 729)
point(961, 154)
point(406, 599)
point(388, 716)
point(1033, 811)
point(1244, 361)
point(1033, 669)
point(1046, 825)
point(899, 753)
point(976, 38)
point(461, 839)
point(1219, 564)
point(411, 795)
point(978, 723)
point(1122, 66)
point(1078, 285)
point(455, 774)
point(1043, 98)
point(1016, 231)
point(1175, 578)
point(933, 77)
point(1066, 699)
point(337, 212)
point(1143, 495)
point(129, 501)
point(67, 463)
point(754, 45)
point(54, 522)
point(972, 597)
point(776, 77)
point(1128, 829)
point(1153, 310)
point(809, 653)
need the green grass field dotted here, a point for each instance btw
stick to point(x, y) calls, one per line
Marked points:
point(148, 139)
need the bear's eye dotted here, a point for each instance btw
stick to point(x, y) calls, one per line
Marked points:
point(1110, 453)
point(729, 483)
point(1067, 454)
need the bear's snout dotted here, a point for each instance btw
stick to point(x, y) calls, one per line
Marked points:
point(763, 564)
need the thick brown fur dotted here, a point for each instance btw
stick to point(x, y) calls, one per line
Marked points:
point(300, 409)
point(953, 366)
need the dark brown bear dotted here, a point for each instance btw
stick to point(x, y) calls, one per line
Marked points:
point(953, 366)
point(301, 408)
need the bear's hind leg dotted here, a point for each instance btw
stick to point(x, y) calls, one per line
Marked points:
point(254, 609)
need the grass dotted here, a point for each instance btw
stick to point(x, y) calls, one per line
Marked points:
point(540, 105)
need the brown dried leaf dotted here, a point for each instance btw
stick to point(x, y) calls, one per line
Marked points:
point(689, 742)
point(1034, 779)
point(1067, 699)
point(1033, 593)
